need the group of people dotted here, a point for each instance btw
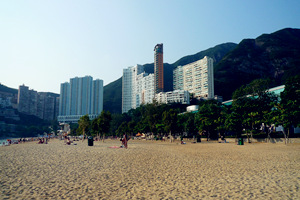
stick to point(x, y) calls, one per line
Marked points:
point(43, 140)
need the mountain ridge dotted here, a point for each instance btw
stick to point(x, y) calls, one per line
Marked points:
point(274, 56)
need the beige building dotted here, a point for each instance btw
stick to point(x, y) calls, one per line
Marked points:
point(196, 77)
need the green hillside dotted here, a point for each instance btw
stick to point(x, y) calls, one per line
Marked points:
point(6, 89)
point(112, 98)
point(274, 56)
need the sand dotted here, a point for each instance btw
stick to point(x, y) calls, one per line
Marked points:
point(150, 170)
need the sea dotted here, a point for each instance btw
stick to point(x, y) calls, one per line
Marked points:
point(3, 142)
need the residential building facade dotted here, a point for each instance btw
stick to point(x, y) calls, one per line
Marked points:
point(137, 88)
point(81, 96)
point(41, 104)
point(196, 77)
point(176, 96)
point(129, 87)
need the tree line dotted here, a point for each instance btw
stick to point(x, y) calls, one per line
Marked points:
point(254, 109)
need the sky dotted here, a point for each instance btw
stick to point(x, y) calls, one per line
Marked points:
point(44, 43)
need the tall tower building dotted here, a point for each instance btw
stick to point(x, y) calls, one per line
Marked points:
point(64, 100)
point(129, 87)
point(97, 96)
point(158, 69)
point(80, 97)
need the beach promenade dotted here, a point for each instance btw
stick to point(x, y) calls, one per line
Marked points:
point(149, 170)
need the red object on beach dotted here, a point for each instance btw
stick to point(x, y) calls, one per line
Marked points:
point(114, 147)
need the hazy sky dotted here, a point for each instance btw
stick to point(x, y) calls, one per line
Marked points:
point(44, 43)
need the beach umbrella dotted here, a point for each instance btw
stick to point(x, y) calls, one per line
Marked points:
point(138, 134)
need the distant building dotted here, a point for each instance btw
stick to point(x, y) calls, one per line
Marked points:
point(129, 87)
point(176, 96)
point(144, 92)
point(41, 104)
point(276, 90)
point(192, 108)
point(158, 69)
point(196, 77)
point(81, 96)
point(137, 88)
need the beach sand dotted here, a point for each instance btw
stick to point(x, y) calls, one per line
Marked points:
point(150, 170)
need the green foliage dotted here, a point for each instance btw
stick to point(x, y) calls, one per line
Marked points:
point(112, 96)
point(186, 123)
point(169, 119)
point(290, 101)
point(84, 124)
point(287, 113)
point(101, 124)
point(207, 118)
point(250, 106)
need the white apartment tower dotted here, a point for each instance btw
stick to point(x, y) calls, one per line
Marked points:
point(137, 88)
point(196, 77)
point(129, 86)
point(81, 96)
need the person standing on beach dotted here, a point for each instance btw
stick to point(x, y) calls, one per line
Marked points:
point(125, 140)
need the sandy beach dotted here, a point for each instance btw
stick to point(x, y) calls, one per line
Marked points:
point(150, 170)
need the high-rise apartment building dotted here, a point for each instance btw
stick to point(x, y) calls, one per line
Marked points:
point(64, 100)
point(158, 69)
point(137, 88)
point(81, 96)
point(129, 86)
point(144, 89)
point(23, 99)
point(196, 77)
point(41, 104)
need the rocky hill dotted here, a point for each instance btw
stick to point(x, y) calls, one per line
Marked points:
point(275, 56)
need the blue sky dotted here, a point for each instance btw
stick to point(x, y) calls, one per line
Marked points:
point(44, 43)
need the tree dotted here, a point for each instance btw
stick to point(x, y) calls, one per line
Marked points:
point(207, 118)
point(187, 121)
point(84, 124)
point(251, 102)
point(221, 120)
point(233, 123)
point(288, 111)
point(123, 128)
point(170, 121)
point(131, 127)
point(104, 123)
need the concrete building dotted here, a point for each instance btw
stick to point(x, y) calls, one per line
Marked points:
point(196, 77)
point(41, 104)
point(81, 96)
point(97, 97)
point(176, 96)
point(144, 92)
point(27, 101)
point(129, 87)
point(23, 99)
point(158, 69)
point(137, 88)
